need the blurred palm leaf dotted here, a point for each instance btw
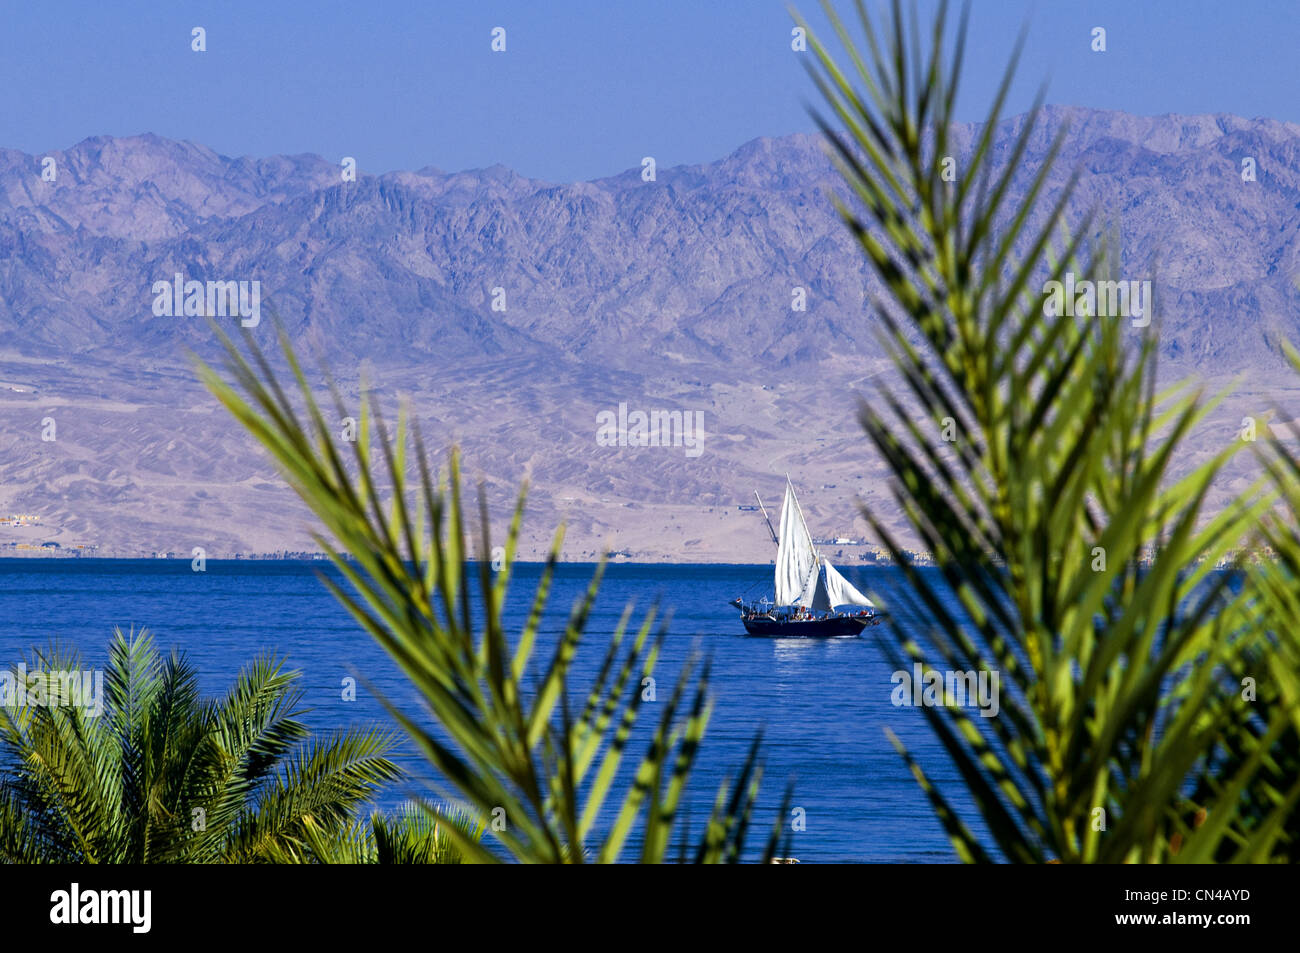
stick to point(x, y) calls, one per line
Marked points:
point(1083, 567)
point(1271, 673)
point(410, 836)
point(538, 768)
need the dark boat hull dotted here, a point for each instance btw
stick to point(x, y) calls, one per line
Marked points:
point(822, 628)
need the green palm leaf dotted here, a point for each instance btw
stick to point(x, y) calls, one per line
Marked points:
point(1080, 563)
point(538, 772)
point(163, 776)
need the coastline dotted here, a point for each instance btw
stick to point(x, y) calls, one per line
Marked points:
point(639, 559)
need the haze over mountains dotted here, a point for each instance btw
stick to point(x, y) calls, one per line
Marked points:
point(673, 294)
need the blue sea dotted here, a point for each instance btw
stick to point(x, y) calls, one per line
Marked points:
point(822, 704)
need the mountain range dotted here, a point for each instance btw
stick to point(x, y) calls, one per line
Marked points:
point(511, 312)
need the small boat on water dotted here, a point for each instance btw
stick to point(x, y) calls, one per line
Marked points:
point(812, 598)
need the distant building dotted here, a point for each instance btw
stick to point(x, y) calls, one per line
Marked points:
point(19, 519)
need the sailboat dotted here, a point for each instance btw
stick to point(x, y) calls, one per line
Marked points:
point(812, 598)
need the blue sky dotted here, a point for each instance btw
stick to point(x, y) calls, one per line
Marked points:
point(584, 89)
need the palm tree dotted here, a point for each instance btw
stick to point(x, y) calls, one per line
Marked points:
point(1030, 450)
point(163, 776)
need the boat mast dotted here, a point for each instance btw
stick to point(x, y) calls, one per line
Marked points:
point(766, 518)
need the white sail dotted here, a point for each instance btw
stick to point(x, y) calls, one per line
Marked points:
point(834, 590)
point(796, 560)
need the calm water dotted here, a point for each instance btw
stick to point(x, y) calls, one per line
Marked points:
point(823, 704)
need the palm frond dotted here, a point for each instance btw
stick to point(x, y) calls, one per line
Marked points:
point(541, 772)
point(1079, 564)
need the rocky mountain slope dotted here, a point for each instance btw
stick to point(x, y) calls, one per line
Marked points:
point(511, 312)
